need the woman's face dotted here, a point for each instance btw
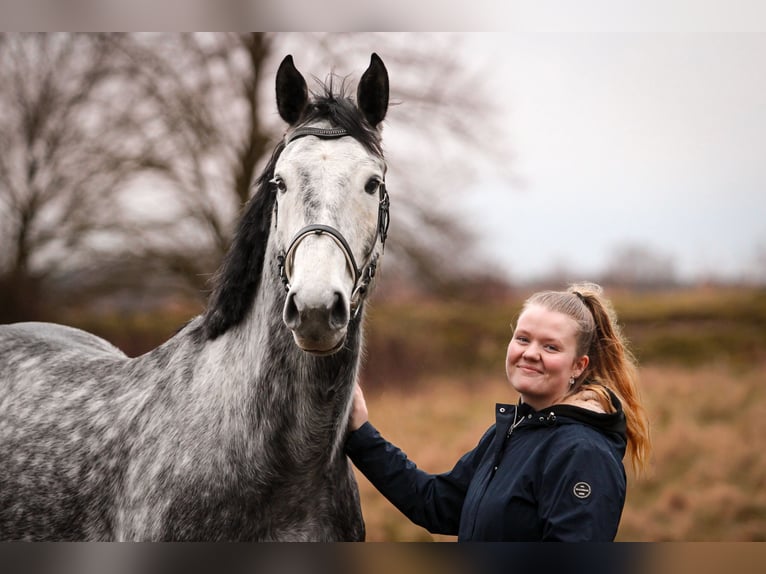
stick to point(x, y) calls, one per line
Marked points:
point(542, 356)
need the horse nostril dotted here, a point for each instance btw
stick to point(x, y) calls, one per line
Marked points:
point(339, 314)
point(291, 315)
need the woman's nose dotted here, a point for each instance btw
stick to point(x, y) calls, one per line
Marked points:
point(531, 352)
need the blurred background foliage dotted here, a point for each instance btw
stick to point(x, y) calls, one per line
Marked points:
point(127, 158)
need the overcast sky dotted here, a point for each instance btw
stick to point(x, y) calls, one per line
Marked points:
point(636, 137)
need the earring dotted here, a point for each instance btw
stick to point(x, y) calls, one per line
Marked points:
point(571, 381)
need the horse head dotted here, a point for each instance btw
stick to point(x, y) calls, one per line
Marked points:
point(331, 208)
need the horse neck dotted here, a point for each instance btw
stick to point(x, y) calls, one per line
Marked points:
point(276, 388)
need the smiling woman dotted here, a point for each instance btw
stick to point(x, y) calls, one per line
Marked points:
point(550, 468)
point(602, 363)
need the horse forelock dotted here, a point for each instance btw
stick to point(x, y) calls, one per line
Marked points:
point(339, 109)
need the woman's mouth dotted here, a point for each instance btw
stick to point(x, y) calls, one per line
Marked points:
point(529, 369)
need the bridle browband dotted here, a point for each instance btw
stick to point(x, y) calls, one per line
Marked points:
point(362, 276)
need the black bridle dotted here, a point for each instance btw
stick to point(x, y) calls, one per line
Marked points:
point(362, 275)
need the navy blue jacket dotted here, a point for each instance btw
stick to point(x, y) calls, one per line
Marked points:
point(558, 475)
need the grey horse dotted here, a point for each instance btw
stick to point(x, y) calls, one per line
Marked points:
point(234, 428)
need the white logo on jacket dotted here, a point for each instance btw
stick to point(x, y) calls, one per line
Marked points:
point(582, 490)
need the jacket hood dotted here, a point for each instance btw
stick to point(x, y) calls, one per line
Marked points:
point(607, 423)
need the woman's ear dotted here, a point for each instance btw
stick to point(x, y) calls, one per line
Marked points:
point(580, 364)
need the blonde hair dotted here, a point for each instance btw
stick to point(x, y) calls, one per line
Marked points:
point(611, 363)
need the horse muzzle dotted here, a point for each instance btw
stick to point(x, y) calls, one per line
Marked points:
point(316, 309)
point(319, 325)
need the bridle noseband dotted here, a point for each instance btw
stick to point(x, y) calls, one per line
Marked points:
point(362, 276)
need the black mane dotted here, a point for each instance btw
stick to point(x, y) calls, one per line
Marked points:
point(238, 279)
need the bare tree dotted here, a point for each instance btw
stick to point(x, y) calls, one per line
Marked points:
point(756, 270)
point(638, 266)
point(60, 173)
point(86, 123)
point(440, 134)
point(136, 152)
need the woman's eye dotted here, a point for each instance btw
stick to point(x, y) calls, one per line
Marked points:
point(278, 184)
point(372, 186)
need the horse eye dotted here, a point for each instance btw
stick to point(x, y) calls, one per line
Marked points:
point(278, 184)
point(372, 186)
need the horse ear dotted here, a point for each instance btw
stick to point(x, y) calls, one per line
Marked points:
point(372, 93)
point(292, 93)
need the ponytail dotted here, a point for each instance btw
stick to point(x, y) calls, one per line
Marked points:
point(611, 366)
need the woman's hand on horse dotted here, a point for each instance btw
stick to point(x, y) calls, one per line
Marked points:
point(359, 414)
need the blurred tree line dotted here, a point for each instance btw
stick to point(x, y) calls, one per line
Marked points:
point(126, 158)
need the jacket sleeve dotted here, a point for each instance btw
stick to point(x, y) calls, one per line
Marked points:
point(582, 493)
point(433, 501)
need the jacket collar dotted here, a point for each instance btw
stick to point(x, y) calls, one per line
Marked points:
point(613, 423)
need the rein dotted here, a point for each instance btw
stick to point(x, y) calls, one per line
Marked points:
point(362, 276)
